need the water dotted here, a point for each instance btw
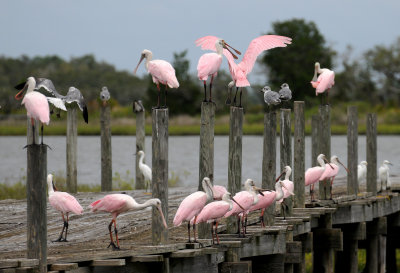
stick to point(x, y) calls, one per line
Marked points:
point(183, 156)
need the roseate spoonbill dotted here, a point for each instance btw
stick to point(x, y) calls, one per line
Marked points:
point(256, 47)
point(246, 199)
point(64, 203)
point(138, 106)
point(161, 72)
point(287, 187)
point(192, 205)
point(362, 171)
point(325, 80)
point(145, 169)
point(209, 63)
point(214, 211)
point(285, 93)
point(73, 95)
point(36, 104)
point(270, 97)
point(118, 203)
point(330, 173)
point(218, 192)
point(104, 95)
point(313, 174)
point(384, 175)
point(264, 201)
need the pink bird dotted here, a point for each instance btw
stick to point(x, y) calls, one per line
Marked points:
point(64, 203)
point(209, 63)
point(192, 205)
point(214, 211)
point(313, 174)
point(119, 203)
point(256, 47)
point(161, 71)
point(288, 186)
point(330, 173)
point(36, 104)
point(218, 192)
point(325, 80)
point(264, 201)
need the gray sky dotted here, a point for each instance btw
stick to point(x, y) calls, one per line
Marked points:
point(117, 31)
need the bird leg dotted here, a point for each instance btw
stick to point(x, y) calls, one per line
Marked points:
point(114, 247)
point(66, 230)
point(283, 209)
point(158, 97)
point(189, 232)
point(62, 231)
point(245, 224)
point(330, 188)
point(238, 224)
point(228, 100)
point(240, 98)
point(234, 98)
point(205, 91)
point(312, 192)
point(212, 77)
point(165, 97)
point(41, 129)
point(116, 232)
point(262, 218)
point(212, 232)
point(216, 232)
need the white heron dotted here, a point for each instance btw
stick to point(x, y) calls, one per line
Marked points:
point(384, 175)
point(362, 171)
point(145, 169)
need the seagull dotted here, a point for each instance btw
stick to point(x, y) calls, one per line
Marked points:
point(138, 106)
point(384, 175)
point(104, 95)
point(285, 93)
point(270, 97)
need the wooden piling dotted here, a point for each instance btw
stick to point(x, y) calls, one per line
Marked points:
point(286, 151)
point(206, 160)
point(371, 153)
point(29, 132)
point(323, 253)
point(299, 154)
point(314, 139)
point(159, 172)
point(36, 188)
point(324, 146)
point(235, 157)
point(106, 159)
point(72, 142)
point(269, 161)
point(352, 150)
point(140, 145)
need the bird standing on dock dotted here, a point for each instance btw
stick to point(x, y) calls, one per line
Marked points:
point(256, 47)
point(312, 175)
point(384, 175)
point(214, 211)
point(287, 188)
point(325, 80)
point(37, 107)
point(118, 203)
point(362, 171)
point(330, 173)
point(264, 201)
point(192, 205)
point(270, 97)
point(209, 63)
point(64, 203)
point(161, 72)
point(145, 170)
point(218, 192)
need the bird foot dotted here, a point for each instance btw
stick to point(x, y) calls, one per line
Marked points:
point(228, 101)
point(47, 146)
point(114, 247)
point(201, 244)
point(59, 240)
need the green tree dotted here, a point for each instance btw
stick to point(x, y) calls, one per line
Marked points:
point(295, 63)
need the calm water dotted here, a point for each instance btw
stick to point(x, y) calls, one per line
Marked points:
point(183, 156)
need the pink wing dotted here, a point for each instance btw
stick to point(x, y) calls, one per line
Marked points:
point(37, 106)
point(207, 42)
point(264, 201)
point(109, 203)
point(213, 211)
point(313, 174)
point(259, 45)
point(325, 81)
point(65, 202)
point(329, 172)
point(163, 72)
point(190, 207)
point(219, 191)
point(245, 199)
point(208, 64)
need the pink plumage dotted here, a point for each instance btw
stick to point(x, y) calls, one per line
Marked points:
point(190, 207)
point(245, 199)
point(313, 174)
point(324, 82)
point(113, 203)
point(163, 72)
point(264, 201)
point(64, 202)
point(288, 188)
point(330, 172)
point(218, 192)
point(213, 211)
point(208, 65)
point(37, 107)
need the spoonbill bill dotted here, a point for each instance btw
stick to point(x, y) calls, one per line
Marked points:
point(118, 203)
point(256, 47)
point(324, 81)
point(64, 203)
point(209, 63)
point(362, 171)
point(313, 174)
point(37, 107)
point(384, 175)
point(192, 205)
point(161, 72)
point(144, 169)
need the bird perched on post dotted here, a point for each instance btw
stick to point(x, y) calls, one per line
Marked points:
point(161, 72)
point(138, 106)
point(361, 171)
point(104, 95)
point(270, 97)
point(324, 81)
point(384, 175)
point(285, 93)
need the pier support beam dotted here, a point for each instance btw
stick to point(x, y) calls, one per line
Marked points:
point(106, 159)
point(272, 263)
point(324, 146)
point(235, 158)
point(159, 172)
point(375, 256)
point(352, 150)
point(299, 155)
point(140, 146)
point(206, 160)
point(286, 152)
point(72, 142)
point(269, 161)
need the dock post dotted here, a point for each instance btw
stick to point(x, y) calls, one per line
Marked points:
point(106, 159)
point(299, 155)
point(352, 150)
point(206, 160)
point(269, 161)
point(314, 139)
point(375, 257)
point(140, 145)
point(72, 142)
point(286, 151)
point(371, 153)
point(36, 188)
point(324, 146)
point(29, 132)
point(159, 183)
point(235, 158)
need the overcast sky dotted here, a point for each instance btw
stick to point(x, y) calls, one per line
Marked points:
point(117, 31)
